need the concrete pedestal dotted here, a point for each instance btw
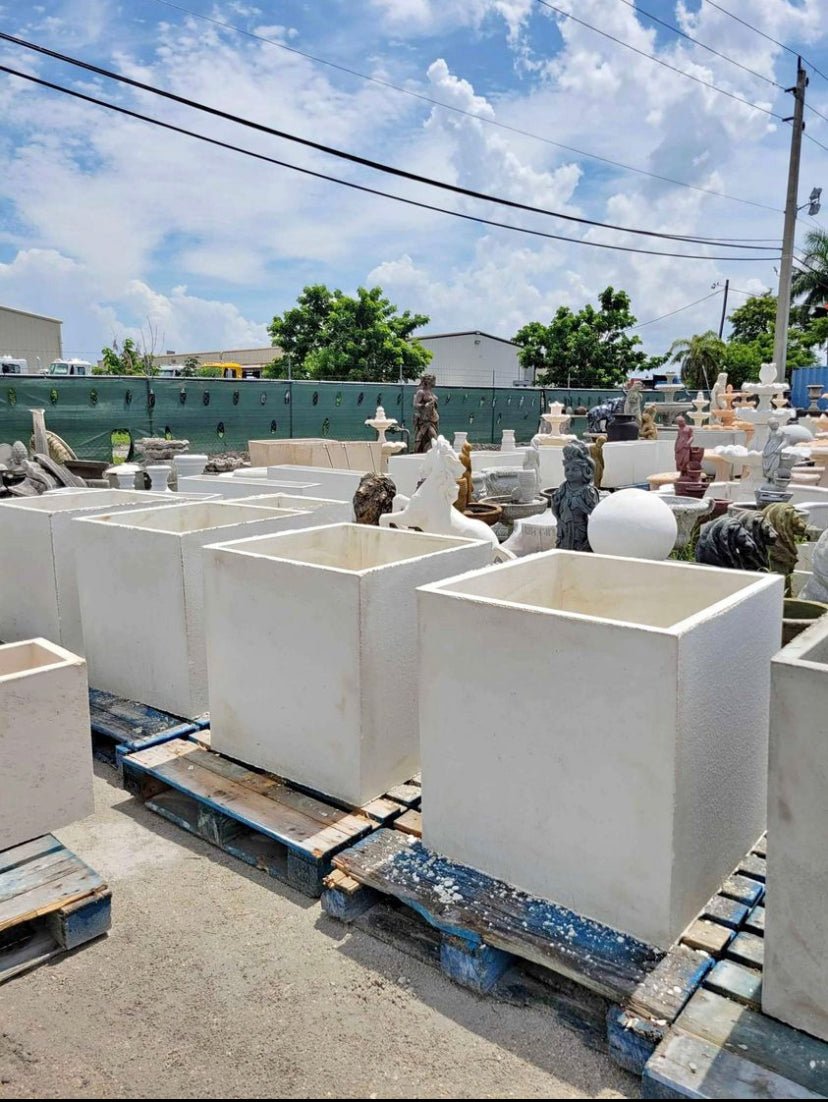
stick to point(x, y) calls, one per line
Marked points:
point(140, 582)
point(45, 748)
point(558, 770)
point(795, 980)
point(312, 651)
point(38, 588)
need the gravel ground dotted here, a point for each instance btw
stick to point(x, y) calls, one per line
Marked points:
point(219, 982)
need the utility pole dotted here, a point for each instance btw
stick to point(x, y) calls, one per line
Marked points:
point(724, 308)
point(783, 302)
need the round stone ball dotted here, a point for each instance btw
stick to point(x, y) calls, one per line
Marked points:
point(634, 524)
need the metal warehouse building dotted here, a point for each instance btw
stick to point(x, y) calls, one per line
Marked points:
point(30, 337)
point(473, 358)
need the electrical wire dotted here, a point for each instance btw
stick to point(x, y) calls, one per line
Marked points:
point(769, 37)
point(660, 61)
point(460, 110)
point(362, 187)
point(677, 30)
point(367, 162)
point(661, 317)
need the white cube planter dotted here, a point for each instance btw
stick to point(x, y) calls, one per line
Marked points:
point(580, 734)
point(631, 462)
point(231, 488)
point(323, 510)
point(140, 582)
point(795, 980)
point(38, 588)
point(335, 483)
point(312, 651)
point(45, 749)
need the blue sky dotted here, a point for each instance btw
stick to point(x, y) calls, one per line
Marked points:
point(122, 229)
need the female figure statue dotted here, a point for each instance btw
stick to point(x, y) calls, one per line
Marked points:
point(684, 442)
point(426, 417)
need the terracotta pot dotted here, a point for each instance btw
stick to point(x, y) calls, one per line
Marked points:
point(799, 615)
point(489, 514)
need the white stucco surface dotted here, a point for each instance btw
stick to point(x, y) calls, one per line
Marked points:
point(38, 590)
point(628, 462)
point(140, 583)
point(598, 736)
point(795, 980)
point(325, 510)
point(45, 746)
point(336, 483)
point(230, 487)
point(312, 651)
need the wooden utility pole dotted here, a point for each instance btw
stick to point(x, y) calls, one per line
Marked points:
point(724, 308)
point(783, 302)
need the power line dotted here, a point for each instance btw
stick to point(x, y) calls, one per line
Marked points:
point(362, 187)
point(652, 321)
point(769, 37)
point(660, 61)
point(677, 30)
point(367, 162)
point(460, 110)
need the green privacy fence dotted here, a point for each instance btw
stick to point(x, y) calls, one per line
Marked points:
point(218, 415)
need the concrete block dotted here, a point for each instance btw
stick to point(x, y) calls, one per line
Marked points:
point(795, 981)
point(556, 768)
point(45, 748)
point(140, 582)
point(312, 651)
point(38, 588)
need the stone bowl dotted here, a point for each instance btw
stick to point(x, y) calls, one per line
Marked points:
point(688, 511)
point(487, 511)
point(799, 615)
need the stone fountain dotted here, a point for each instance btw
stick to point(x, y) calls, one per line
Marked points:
point(669, 408)
point(699, 414)
point(767, 389)
point(557, 421)
point(381, 424)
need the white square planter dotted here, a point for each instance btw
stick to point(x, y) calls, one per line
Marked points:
point(312, 651)
point(340, 484)
point(38, 590)
point(580, 734)
point(140, 582)
point(45, 748)
point(628, 462)
point(231, 488)
point(795, 981)
point(323, 510)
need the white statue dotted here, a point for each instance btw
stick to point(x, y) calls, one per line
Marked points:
point(772, 452)
point(816, 588)
point(718, 391)
point(431, 507)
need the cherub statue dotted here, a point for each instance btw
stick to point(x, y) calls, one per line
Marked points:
point(464, 482)
point(648, 426)
point(596, 451)
point(575, 498)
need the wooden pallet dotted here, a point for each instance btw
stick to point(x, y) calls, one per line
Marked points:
point(121, 726)
point(721, 1045)
point(484, 925)
point(287, 831)
point(50, 903)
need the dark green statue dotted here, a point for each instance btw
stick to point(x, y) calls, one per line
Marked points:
point(575, 498)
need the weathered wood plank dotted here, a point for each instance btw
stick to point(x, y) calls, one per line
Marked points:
point(465, 903)
point(408, 794)
point(685, 1066)
point(735, 981)
point(747, 949)
point(28, 851)
point(729, 912)
point(127, 721)
point(668, 987)
point(743, 889)
point(764, 1041)
point(754, 867)
point(410, 823)
point(761, 847)
point(755, 921)
point(711, 937)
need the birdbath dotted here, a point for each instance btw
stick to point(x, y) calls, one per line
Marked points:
point(766, 389)
point(382, 424)
point(688, 511)
point(699, 414)
point(557, 420)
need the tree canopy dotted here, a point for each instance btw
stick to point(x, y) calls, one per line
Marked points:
point(809, 285)
point(700, 358)
point(590, 348)
point(130, 360)
point(331, 335)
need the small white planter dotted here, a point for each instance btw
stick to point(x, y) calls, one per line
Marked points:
point(141, 596)
point(580, 734)
point(340, 484)
point(38, 590)
point(232, 488)
point(189, 464)
point(45, 749)
point(312, 651)
point(324, 510)
point(795, 980)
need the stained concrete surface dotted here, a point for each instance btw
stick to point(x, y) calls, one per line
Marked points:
point(219, 982)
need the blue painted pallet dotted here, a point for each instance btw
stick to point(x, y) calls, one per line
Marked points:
point(50, 902)
point(121, 726)
point(485, 925)
point(256, 817)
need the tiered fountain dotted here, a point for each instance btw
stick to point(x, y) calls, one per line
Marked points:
point(699, 414)
point(557, 421)
point(669, 409)
point(766, 389)
point(381, 424)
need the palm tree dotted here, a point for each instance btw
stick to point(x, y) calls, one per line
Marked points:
point(810, 283)
point(700, 357)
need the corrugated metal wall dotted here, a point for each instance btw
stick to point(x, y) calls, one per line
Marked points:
point(801, 379)
point(30, 338)
point(218, 415)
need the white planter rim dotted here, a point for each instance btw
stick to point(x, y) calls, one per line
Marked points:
point(50, 655)
point(809, 649)
point(202, 518)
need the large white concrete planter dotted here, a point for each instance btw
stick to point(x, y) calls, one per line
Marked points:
point(45, 749)
point(581, 736)
point(795, 981)
point(631, 462)
point(38, 590)
point(140, 582)
point(232, 488)
point(336, 483)
point(312, 651)
point(324, 510)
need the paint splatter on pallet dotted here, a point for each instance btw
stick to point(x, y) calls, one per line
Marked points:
point(121, 726)
point(287, 831)
point(50, 902)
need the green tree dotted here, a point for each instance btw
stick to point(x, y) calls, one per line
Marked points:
point(752, 337)
point(331, 335)
point(700, 358)
point(130, 360)
point(190, 367)
point(591, 348)
point(809, 285)
point(755, 318)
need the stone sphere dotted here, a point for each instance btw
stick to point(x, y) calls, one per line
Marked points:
point(633, 524)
